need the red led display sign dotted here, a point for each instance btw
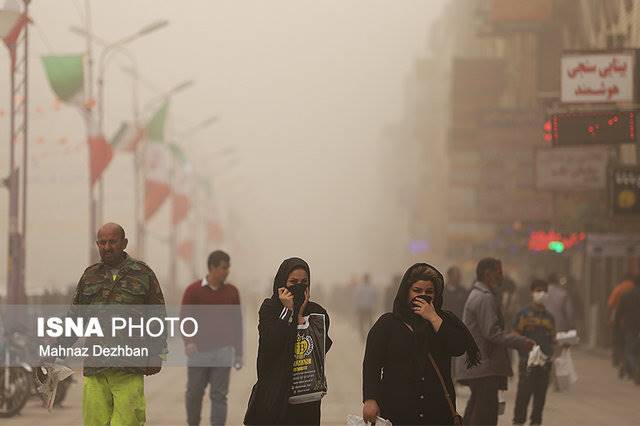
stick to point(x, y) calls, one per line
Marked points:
point(593, 128)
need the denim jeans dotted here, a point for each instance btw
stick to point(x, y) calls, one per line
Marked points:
point(214, 369)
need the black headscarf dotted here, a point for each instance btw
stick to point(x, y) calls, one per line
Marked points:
point(401, 309)
point(287, 267)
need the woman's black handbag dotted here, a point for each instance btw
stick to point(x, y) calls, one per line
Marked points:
point(457, 418)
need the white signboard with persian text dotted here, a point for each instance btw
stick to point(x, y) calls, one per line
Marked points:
point(597, 78)
point(572, 169)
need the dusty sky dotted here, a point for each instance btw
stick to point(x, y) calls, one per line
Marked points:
point(304, 91)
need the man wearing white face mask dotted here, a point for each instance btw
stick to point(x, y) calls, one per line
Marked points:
point(536, 323)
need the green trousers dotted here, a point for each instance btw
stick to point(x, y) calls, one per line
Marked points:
point(113, 397)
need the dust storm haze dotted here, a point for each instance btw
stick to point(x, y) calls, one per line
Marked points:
point(303, 158)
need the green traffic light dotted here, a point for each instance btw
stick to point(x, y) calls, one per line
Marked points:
point(556, 246)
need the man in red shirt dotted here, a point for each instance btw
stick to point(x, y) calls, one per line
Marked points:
point(217, 344)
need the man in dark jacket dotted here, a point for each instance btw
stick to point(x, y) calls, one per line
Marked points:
point(483, 316)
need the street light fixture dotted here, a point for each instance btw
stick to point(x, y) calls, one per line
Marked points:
point(152, 27)
point(119, 45)
point(178, 88)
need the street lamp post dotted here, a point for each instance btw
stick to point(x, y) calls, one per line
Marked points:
point(95, 206)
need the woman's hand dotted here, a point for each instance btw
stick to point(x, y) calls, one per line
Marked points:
point(286, 298)
point(303, 306)
point(370, 411)
point(427, 311)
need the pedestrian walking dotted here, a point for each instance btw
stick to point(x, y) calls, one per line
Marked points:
point(536, 323)
point(628, 322)
point(114, 394)
point(455, 293)
point(560, 305)
point(217, 346)
point(483, 316)
point(279, 319)
point(618, 338)
point(366, 298)
point(407, 363)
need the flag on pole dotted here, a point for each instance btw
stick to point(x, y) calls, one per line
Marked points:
point(127, 137)
point(66, 77)
point(157, 186)
point(100, 155)
point(155, 129)
point(11, 24)
point(158, 161)
point(182, 181)
point(185, 251)
point(214, 231)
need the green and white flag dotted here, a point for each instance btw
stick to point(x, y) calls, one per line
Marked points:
point(182, 185)
point(66, 77)
point(155, 129)
point(158, 163)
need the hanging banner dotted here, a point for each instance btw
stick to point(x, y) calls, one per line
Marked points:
point(182, 186)
point(66, 77)
point(598, 77)
point(158, 178)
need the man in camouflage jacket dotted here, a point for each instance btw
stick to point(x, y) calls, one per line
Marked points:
point(113, 393)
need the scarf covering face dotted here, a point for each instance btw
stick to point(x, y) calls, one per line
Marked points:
point(280, 280)
point(401, 309)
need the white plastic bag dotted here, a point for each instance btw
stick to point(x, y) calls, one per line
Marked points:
point(536, 357)
point(353, 420)
point(569, 338)
point(565, 371)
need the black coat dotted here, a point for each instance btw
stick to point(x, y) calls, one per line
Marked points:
point(399, 376)
point(269, 396)
point(397, 372)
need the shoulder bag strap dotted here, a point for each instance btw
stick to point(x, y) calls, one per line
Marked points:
point(444, 386)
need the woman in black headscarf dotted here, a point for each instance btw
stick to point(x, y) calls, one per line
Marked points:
point(279, 317)
point(399, 381)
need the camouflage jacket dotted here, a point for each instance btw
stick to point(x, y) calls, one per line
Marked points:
point(131, 283)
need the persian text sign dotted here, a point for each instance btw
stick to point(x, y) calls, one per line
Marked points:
point(572, 169)
point(598, 78)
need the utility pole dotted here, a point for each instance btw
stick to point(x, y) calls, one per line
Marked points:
point(91, 128)
point(25, 159)
point(17, 43)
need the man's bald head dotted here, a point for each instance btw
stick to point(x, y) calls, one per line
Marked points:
point(111, 243)
point(112, 227)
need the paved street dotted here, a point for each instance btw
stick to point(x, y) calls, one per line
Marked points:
point(598, 398)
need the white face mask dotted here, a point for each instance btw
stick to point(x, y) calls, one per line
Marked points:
point(540, 296)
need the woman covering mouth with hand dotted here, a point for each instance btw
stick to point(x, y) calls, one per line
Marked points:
point(278, 322)
point(407, 361)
